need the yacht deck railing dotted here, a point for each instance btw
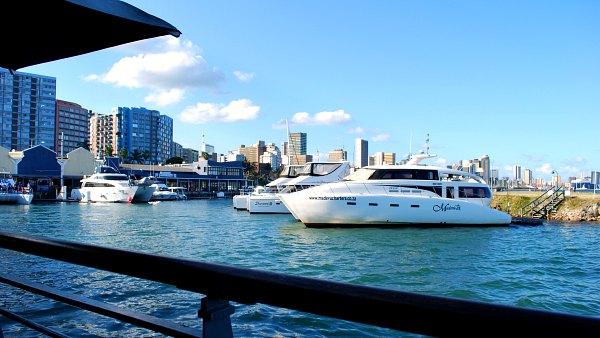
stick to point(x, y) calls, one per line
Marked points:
point(404, 311)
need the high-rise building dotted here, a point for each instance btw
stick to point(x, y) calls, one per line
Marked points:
point(27, 110)
point(297, 148)
point(528, 176)
point(103, 134)
point(144, 134)
point(144, 131)
point(72, 127)
point(486, 169)
point(517, 173)
point(361, 153)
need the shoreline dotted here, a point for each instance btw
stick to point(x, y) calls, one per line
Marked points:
point(578, 207)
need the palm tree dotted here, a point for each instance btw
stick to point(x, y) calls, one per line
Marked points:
point(108, 151)
point(136, 156)
point(123, 154)
point(146, 155)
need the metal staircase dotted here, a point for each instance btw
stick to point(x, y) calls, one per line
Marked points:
point(545, 204)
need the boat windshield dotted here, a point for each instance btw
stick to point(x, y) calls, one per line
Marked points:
point(319, 169)
point(360, 175)
point(118, 177)
point(291, 171)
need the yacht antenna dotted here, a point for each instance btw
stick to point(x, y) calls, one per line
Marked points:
point(427, 144)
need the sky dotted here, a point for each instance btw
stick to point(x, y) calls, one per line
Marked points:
point(518, 81)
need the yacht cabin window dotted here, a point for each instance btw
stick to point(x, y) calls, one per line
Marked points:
point(319, 169)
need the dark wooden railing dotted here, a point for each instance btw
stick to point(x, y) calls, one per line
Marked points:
point(404, 311)
point(544, 204)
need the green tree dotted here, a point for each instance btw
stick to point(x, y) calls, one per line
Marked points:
point(136, 156)
point(175, 160)
point(205, 155)
point(146, 155)
point(108, 151)
point(123, 154)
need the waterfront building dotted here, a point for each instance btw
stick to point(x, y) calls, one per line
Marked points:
point(72, 127)
point(361, 153)
point(27, 110)
point(337, 155)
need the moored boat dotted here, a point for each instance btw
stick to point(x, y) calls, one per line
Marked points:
point(107, 185)
point(312, 174)
point(11, 193)
point(398, 195)
point(163, 193)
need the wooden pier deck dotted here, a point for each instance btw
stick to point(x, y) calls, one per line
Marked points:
point(527, 221)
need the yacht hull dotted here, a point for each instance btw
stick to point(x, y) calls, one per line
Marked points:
point(240, 202)
point(108, 194)
point(266, 204)
point(355, 210)
point(15, 198)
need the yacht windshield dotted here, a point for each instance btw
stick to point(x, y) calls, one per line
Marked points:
point(360, 175)
point(319, 169)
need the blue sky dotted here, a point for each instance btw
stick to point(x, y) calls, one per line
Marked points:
point(516, 80)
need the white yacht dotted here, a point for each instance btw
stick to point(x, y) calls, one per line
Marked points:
point(398, 195)
point(312, 174)
point(107, 185)
point(240, 201)
point(163, 193)
point(11, 193)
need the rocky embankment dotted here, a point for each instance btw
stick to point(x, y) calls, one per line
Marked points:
point(587, 213)
point(579, 207)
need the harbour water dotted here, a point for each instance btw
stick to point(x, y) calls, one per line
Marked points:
point(550, 267)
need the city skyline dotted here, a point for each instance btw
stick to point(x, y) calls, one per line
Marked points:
point(389, 73)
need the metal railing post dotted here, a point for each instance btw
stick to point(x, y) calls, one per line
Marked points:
point(216, 322)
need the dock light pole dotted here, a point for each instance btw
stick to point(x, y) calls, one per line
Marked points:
point(554, 172)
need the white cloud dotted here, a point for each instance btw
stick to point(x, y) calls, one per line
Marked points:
point(322, 118)
point(546, 168)
point(357, 130)
point(237, 110)
point(164, 98)
point(243, 77)
point(380, 137)
point(167, 66)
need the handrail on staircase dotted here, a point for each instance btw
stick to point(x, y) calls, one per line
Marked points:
point(544, 199)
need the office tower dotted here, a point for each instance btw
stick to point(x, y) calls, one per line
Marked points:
point(27, 110)
point(517, 173)
point(297, 149)
point(485, 165)
point(361, 153)
point(528, 176)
